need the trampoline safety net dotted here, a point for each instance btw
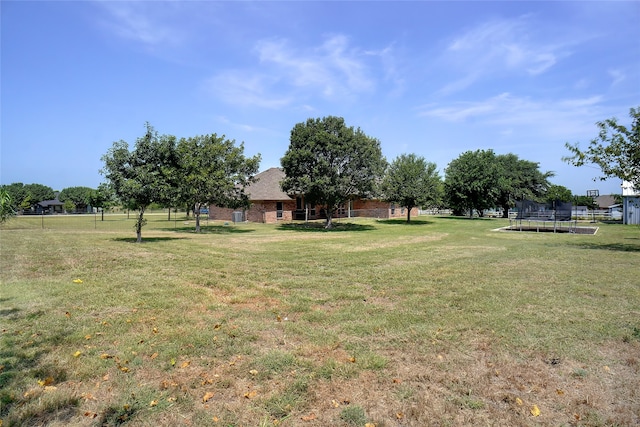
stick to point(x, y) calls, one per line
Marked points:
point(556, 211)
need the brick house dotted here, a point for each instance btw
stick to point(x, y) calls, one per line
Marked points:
point(269, 204)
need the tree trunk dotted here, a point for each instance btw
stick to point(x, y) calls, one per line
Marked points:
point(139, 224)
point(196, 215)
point(505, 210)
point(408, 214)
point(328, 223)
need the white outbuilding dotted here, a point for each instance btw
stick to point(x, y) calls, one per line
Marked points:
point(630, 204)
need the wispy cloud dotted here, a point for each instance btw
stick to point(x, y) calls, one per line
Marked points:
point(245, 89)
point(498, 47)
point(148, 23)
point(564, 118)
point(459, 84)
point(617, 76)
point(331, 68)
point(390, 69)
point(333, 71)
point(241, 126)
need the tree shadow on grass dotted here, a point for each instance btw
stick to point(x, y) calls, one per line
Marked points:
point(146, 239)
point(466, 218)
point(399, 221)
point(622, 247)
point(8, 311)
point(211, 229)
point(318, 227)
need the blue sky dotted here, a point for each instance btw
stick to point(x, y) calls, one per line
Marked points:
point(431, 78)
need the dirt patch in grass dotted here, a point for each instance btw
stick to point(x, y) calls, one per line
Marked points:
point(437, 387)
point(484, 388)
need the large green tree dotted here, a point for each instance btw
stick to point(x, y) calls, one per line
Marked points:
point(411, 181)
point(145, 175)
point(79, 196)
point(214, 170)
point(558, 193)
point(519, 179)
point(329, 163)
point(472, 182)
point(23, 197)
point(616, 150)
point(39, 192)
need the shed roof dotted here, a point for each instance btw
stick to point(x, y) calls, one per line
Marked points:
point(267, 186)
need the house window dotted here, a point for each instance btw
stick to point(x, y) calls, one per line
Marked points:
point(279, 209)
point(393, 209)
point(299, 203)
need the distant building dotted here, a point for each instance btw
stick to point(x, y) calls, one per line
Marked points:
point(603, 202)
point(54, 206)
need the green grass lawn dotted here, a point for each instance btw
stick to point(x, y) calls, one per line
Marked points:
point(441, 322)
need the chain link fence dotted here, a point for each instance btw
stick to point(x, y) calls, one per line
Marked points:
point(109, 221)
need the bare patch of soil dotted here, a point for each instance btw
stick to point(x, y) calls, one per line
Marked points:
point(432, 385)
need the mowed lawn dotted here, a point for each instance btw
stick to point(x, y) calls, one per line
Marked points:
point(441, 322)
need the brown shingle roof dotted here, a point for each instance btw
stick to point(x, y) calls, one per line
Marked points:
point(604, 202)
point(268, 186)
